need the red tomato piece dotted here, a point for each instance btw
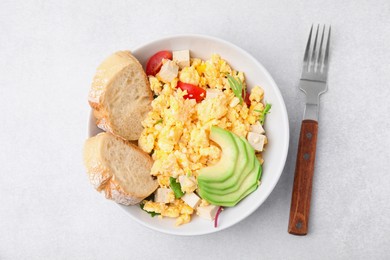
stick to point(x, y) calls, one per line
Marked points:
point(155, 62)
point(246, 99)
point(245, 96)
point(194, 92)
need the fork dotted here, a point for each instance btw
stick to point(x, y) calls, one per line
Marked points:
point(313, 84)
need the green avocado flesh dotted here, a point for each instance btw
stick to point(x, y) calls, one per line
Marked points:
point(243, 169)
point(223, 169)
point(231, 199)
point(228, 182)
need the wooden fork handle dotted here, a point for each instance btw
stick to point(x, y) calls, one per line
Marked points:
point(304, 170)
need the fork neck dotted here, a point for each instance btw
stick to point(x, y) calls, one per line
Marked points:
point(311, 112)
point(312, 89)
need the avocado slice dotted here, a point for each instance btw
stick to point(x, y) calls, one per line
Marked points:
point(233, 183)
point(225, 167)
point(258, 176)
point(249, 185)
point(241, 163)
point(227, 183)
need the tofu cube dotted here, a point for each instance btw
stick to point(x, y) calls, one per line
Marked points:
point(235, 101)
point(182, 58)
point(213, 93)
point(257, 128)
point(191, 199)
point(188, 184)
point(256, 140)
point(168, 71)
point(164, 195)
point(207, 212)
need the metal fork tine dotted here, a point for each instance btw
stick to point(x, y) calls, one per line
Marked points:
point(313, 65)
point(327, 54)
point(319, 59)
point(306, 57)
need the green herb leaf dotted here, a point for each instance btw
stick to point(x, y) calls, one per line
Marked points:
point(236, 86)
point(264, 113)
point(159, 122)
point(176, 187)
point(142, 204)
point(152, 213)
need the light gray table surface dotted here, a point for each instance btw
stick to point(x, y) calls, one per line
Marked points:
point(49, 51)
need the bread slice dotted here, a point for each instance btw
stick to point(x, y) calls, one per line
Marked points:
point(118, 168)
point(120, 95)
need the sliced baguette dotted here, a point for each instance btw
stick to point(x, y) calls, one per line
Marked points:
point(120, 95)
point(118, 168)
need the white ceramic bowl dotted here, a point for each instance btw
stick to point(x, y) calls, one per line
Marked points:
point(277, 130)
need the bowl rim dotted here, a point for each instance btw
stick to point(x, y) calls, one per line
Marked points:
point(284, 119)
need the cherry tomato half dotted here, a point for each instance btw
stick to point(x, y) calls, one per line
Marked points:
point(155, 62)
point(194, 92)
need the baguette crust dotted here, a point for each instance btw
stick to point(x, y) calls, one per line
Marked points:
point(118, 168)
point(120, 95)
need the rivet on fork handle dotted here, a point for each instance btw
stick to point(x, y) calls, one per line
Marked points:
point(304, 171)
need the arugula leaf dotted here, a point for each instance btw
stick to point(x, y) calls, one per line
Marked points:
point(176, 187)
point(152, 213)
point(236, 86)
point(264, 113)
point(142, 204)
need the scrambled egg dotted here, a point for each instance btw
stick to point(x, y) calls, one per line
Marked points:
point(176, 130)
